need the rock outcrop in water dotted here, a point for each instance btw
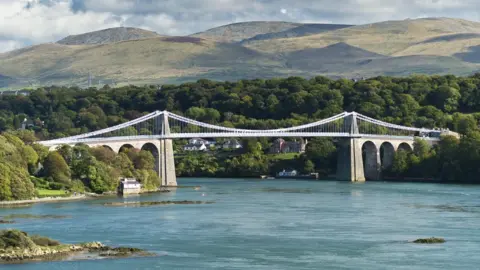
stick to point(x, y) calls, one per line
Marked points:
point(155, 203)
point(18, 246)
point(3, 221)
point(431, 240)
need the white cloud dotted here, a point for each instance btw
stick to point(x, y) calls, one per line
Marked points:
point(41, 23)
point(9, 45)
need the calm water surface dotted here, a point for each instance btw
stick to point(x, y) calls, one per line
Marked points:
point(275, 225)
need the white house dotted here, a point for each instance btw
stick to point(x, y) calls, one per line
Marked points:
point(195, 147)
point(232, 144)
point(199, 141)
point(288, 173)
point(129, 186)
point(198, 144)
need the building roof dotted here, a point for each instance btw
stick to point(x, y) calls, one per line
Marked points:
point(233, 141)
point(194, 145)
point(129, 181)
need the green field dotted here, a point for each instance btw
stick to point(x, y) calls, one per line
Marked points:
point(42, 193)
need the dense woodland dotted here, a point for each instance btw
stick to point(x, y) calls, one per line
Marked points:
point(421, 101)
point(27, 166)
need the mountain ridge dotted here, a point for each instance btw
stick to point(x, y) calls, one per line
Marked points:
point(109, 35)
point(250, 50)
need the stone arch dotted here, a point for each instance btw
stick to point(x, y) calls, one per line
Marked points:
point(125, 147)
point(405, 147)
point(387, 154)
point(108, 147)
point(152, 148)
point(371, 160)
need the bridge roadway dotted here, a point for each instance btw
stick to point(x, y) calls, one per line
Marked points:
point(360, 156)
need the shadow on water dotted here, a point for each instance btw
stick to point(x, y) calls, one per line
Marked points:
point(287, 190)
point(153, 203)
point(31, 216)
point(8, 206)
point(447, 208)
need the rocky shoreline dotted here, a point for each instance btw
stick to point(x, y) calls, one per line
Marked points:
point(18, 247)
point(42, 200)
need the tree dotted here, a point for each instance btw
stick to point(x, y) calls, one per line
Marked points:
point(149, 179)
point(144, 160)
point(445, 98)
point(308, 166)
point(421, 149)
point(14, 178)
point(41, 151)
point(56, 168)
point(31, 157)
point(5, 182)
point(448, 158)
point(123, 163)
point(464, 123)
point(103, 154)
point(400, 163)
point(323, 153)
point(101, 178)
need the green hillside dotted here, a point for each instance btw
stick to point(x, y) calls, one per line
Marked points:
point(249, 50)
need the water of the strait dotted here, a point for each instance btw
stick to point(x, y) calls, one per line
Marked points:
point(274, 224)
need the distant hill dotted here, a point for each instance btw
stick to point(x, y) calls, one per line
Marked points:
point(106, 36)
point(396, 38)
point(240, 31)
point(327, 58)
point(299, 31)
point(250, 50)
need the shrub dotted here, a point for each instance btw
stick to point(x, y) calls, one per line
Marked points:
point(44, 241)
point(15, 238)
point(39, 182)
point(56, 186)
point(77, 186)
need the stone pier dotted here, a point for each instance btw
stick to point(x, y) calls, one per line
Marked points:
point(167, 161)
point(167, 164)
point(350, 161)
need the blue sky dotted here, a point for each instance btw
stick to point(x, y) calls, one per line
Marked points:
point(27, 22)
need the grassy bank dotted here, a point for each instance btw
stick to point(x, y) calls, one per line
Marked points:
point(45, 193)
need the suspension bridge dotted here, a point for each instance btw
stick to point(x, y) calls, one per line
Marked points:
point(367, 145)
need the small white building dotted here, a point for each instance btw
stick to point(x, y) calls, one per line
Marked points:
point(284, 173)
point(195, 147)
point(129, 186)
point(232, 144)
point(201, 141)
point(198, 144)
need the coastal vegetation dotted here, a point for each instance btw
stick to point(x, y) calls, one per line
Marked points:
point(19, 246)
point(53, 112)
point(30, 170)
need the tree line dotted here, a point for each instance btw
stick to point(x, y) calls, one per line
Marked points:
point(421, 101)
